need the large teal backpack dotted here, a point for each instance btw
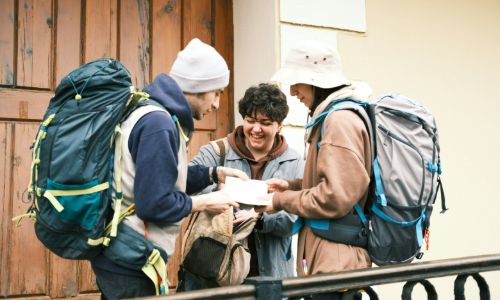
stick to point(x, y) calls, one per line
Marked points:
point(71, 176)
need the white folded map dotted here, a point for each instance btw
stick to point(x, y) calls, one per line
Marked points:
point(246, 191)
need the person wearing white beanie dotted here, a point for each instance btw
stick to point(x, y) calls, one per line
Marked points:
point(202, 74)
point(156, 178)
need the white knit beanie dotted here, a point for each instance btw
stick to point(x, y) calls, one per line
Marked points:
point(200, 68)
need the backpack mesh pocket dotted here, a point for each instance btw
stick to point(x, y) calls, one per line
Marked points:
point(205, 257)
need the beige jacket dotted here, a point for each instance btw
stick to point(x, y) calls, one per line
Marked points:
point(335, 178)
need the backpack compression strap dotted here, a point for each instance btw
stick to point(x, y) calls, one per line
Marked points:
point(156, 270)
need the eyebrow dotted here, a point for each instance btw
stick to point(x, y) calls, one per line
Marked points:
point(260, 120)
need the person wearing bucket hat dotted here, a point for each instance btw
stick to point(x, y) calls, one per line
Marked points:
point(337, 170)
point(155, 175)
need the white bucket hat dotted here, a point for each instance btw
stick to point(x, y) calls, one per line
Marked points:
point(314, 63)
point(200, 68)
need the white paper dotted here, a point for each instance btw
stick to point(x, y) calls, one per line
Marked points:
point(246, 191)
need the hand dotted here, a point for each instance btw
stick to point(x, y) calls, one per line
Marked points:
point(243, 215)
point(213, 203)
point(266, 208)
point(223, 172)
point(276, 185)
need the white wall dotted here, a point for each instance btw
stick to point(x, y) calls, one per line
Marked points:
point(443, 53)
point(255, 55)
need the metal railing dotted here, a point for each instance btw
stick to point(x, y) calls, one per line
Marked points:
point(412, 274)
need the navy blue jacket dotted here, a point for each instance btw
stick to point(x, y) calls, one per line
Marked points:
point(154, 144)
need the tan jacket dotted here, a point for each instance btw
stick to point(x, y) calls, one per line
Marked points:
point(335, 178)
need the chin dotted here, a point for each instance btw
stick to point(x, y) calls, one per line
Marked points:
point(258, 147)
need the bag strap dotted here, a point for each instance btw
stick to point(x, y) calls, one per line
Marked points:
point(366, 112)
point(156, 270)
point(221, 148)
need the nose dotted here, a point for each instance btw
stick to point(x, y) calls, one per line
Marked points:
point(293, 90)
point(256, 127)
point(215, 105)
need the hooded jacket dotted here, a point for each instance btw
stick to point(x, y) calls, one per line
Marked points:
point(155, 168)
point(272, 234)
point(336, 177)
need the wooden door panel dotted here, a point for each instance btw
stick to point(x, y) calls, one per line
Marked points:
point(7, 17)
point(23, 104)
point(68, 38)
point(27, 263)
point(5, 203)
point(34, 59)
point(223, 42)
point(197, 17)
point(86, 277)
point(166, 35)
point(100, 29)
point(198, 139)
point(41, 42)
point(134, 40)
point(63, 277)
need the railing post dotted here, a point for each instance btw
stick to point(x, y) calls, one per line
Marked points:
point(266, 287)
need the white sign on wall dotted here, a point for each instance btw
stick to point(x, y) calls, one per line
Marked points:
point(340, 14)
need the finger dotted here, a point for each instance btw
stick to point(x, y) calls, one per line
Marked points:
point(239, 174)
point(260, 208)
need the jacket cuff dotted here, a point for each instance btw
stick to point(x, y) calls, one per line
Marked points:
point(295, 184)
point(277, 201)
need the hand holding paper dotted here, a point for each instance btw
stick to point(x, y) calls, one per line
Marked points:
point(267, 208)
point(223, 172)
point(277, 185)
point(213, 203)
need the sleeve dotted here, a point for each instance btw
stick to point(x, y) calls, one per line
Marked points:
point(281, 223)
point(340, 167)
point(154, 145)
point(295, 184)
point(205, 158)
point(198, 178)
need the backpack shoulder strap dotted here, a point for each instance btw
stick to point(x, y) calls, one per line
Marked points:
point(363, 109)
point(221, 148)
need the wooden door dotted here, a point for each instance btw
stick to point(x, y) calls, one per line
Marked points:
point(40, 42)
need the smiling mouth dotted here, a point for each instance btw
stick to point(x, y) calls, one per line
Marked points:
point(257, 138)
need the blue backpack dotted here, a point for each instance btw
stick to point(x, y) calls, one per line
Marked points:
point(71, 182)
point(404, 185)
point(71, 173)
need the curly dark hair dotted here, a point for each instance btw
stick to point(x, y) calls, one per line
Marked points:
point(266, 99)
